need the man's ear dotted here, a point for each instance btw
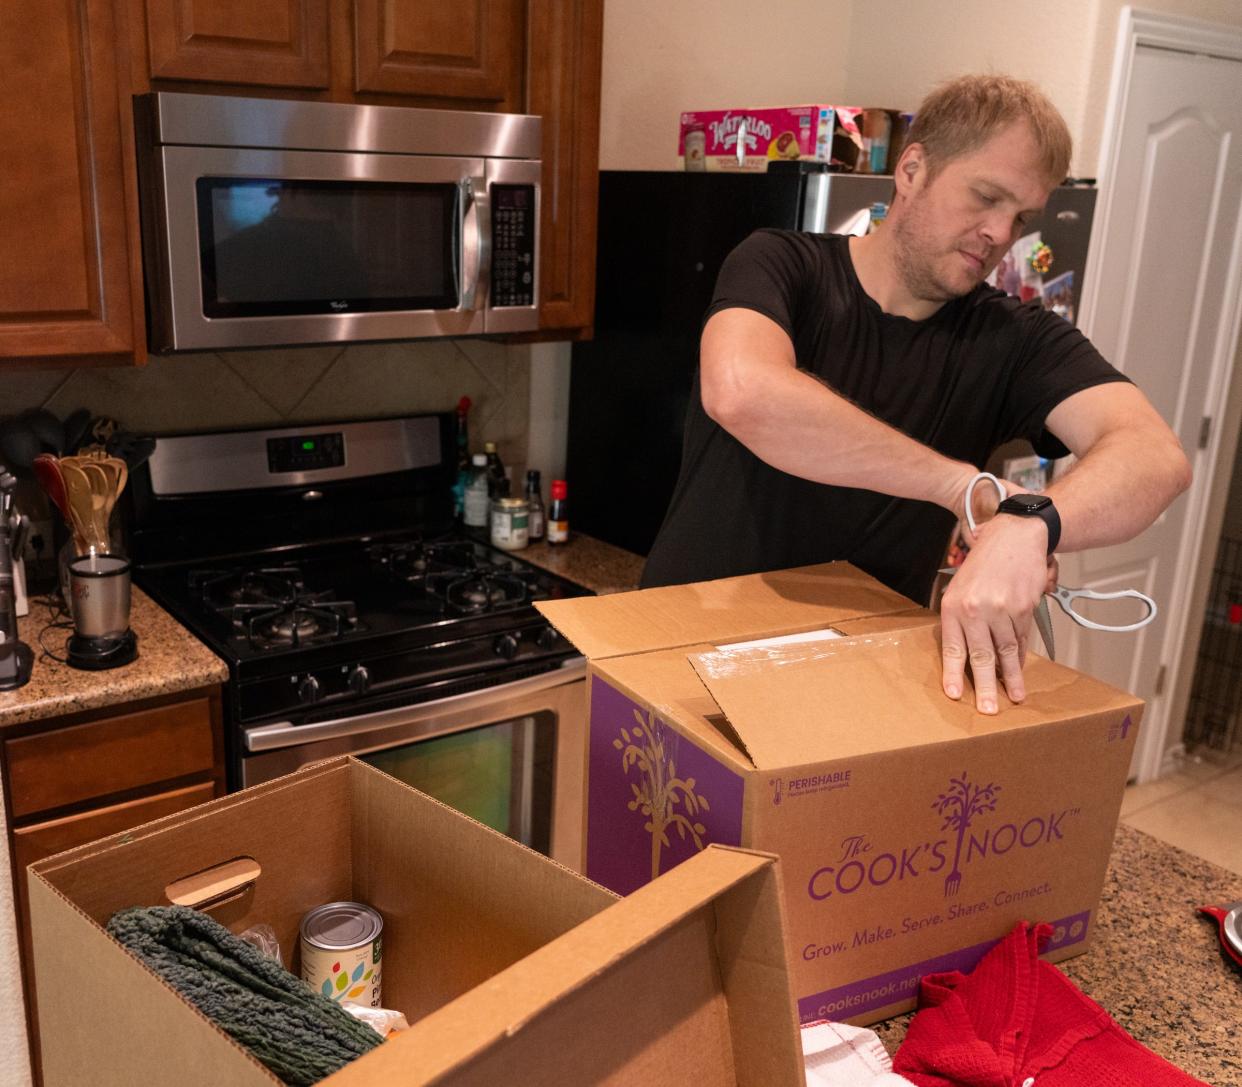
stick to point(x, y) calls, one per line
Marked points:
point(911, 169)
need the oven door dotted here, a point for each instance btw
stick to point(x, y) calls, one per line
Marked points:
point(252, 247)
point(512, 756)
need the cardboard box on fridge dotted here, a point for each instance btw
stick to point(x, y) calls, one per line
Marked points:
point(510, 968)
point(913, 832)
point(748, 139)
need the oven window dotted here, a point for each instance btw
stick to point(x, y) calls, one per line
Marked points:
point(270, 248)
point(500, 774)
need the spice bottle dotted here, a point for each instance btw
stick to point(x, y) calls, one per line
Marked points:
point(476, 499)
point(495, 470)
point(534, 499)
point(558, 514)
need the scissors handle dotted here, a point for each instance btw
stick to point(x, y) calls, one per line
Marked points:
point(1066, 596)
point(970, 494)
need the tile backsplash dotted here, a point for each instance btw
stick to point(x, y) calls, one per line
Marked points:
point(208, 391)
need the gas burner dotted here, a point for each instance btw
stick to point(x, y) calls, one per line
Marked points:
point(413, 562)
point(485, 591)
point(308, 619)
point(223, 590)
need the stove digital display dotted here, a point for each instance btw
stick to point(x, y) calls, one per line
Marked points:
point(305, 452)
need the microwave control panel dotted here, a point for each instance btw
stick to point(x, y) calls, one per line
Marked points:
point(513, 245)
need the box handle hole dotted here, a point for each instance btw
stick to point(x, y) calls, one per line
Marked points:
point(215, 885)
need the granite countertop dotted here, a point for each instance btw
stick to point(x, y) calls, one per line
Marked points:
point(1155, 965)
point(170, 659)
point(593, 564)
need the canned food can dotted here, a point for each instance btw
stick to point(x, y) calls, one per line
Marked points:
point(510, 523)
point(343, 951)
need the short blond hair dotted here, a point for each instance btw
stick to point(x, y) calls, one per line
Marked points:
point(961, 115)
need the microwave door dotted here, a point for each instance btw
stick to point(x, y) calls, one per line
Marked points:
point(265, 247)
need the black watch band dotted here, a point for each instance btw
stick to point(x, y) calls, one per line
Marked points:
point(1035, 505)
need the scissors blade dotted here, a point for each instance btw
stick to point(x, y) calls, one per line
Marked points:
point(1044, 621)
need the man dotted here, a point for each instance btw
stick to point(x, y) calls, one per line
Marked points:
point(848, 388)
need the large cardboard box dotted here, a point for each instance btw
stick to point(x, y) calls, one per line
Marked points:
point(510, 968)
point(913, 832)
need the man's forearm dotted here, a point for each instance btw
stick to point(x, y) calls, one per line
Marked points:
point(802, 427)
point(1118, 488)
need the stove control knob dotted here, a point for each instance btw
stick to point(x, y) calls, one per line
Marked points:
point(359, 680)
point(506, 646)
point(308, 689)
point(547, 638)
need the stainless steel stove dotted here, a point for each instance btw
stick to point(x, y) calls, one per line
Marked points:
point(322, 564)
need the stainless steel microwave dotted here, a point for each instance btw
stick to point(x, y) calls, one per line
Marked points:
point(267, 221)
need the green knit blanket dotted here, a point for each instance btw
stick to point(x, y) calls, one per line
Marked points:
point(299, 1034)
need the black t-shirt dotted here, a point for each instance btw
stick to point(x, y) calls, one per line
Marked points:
point(981, 371)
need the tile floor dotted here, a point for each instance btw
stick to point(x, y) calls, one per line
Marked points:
point(1197, 808)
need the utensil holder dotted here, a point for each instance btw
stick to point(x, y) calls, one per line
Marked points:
point(99, 588)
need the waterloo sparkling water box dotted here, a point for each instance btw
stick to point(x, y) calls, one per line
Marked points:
point(748, 139)
point(800, 712)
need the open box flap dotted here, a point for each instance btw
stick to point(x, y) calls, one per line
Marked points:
point(812, 703)
point(657, 1020)
point(730, 609)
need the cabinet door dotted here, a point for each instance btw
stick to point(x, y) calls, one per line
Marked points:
point(469, 51)
point(70, 282)
point(566, 49)
point(262, 43)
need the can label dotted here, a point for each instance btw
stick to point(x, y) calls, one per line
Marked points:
point(510, 528)
point(352, 975)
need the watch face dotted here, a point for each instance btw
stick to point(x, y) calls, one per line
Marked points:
point(1026, 503)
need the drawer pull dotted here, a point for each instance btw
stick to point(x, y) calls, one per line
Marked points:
point(215, 885)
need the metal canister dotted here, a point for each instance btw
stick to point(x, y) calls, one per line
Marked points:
point(510, 523)
point(343, 951)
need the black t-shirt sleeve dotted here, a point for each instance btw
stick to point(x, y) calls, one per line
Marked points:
point(765, 273)
point(1054, 361)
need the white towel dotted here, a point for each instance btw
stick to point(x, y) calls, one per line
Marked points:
point(838, 1055)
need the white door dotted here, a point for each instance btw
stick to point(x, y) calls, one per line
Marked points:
point(1164, 310)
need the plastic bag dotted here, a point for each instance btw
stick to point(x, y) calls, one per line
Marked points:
point(264, 938)
point(382, 1020)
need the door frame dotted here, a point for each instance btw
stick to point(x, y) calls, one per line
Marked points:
point(1136, 28)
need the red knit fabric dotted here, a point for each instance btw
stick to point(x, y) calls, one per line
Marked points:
point(1015, 1018)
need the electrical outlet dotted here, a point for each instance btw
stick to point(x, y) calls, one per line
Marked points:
point(42, 529)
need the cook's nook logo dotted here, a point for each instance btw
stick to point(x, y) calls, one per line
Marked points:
point(860, 863)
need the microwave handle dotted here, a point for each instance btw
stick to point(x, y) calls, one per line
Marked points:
point(476, 235)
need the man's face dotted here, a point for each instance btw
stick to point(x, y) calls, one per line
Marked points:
point(956, 226)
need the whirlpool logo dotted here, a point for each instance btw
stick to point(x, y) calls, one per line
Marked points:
point(962, 807)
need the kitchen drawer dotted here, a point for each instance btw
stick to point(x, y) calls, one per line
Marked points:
point(31, 844)
point(71, 765)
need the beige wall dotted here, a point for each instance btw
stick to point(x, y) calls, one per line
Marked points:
point(665, 56)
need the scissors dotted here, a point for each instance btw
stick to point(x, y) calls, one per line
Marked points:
point(1063, 595)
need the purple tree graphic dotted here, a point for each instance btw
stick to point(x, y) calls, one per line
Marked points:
point(660, 791)
point(959, 804)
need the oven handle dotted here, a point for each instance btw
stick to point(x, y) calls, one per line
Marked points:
point(476, 236)
point(283, 734)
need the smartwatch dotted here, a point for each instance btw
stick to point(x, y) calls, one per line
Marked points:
point(1035, 505)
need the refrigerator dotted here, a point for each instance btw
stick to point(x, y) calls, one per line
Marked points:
point(663, 236)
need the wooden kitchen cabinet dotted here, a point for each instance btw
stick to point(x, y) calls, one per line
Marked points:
point(71, 289)
point(70, 277)
point(271, 43)
point(74, 780)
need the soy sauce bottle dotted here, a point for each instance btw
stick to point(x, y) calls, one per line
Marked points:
point(558, 513)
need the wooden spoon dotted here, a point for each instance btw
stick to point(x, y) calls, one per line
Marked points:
point(101, 485)
point(81, 506)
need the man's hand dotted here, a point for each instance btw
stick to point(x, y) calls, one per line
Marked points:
point(985, 613)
